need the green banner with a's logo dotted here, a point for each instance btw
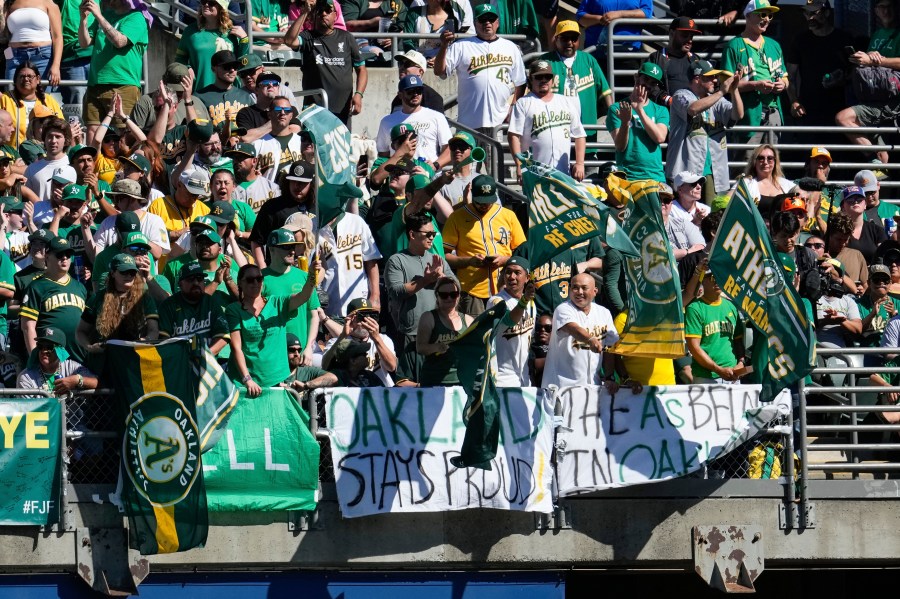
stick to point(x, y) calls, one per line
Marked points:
point(746, 267)
point(30, 432)
point(267, 459)
point(655, 324)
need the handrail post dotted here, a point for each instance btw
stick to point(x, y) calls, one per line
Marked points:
point(63, 467)
point(248, 15)
point(610, 68)
point(804, 453)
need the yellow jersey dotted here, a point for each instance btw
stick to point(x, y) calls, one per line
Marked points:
point(647, 371)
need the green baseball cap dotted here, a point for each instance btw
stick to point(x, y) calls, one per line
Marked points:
point(281, 237)
point(127, 222)
point(222, 164)
point(123, 263)
point(58, 245)
point(401, 130)
point(191, 269)
point(42, 235)
point(485, 9)
point(465, 137)
point(484, 189)
point(293, 340)
point(199, 130)
point(241, 151)
point(52, 335)
point(74, 193)
point(520, 262)
point(138, 161)
point(211, 235)
point(202, 222)
point(788, 263)
point(222, 212)
point(249, 62)
point(74, 151)
point(652, 70)
point(417, 182)
point(12, 204)
point(136, 238)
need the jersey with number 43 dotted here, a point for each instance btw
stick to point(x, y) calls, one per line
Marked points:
point(344, 249)
point(488, 74)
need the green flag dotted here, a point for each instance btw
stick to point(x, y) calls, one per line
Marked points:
point(216, 399)
point(162, 492)
point(748, 270)
point(335, 171)
point(562, 213)
point(474, 349)
point(268, 460)
point(655, 324)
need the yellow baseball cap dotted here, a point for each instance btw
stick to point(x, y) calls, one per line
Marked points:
point(819, 151)
point(567, 27)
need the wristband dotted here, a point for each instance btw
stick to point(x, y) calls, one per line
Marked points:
point(188, 103)
point(361, 95)
point(246, 379)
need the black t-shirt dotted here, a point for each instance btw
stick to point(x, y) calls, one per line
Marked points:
point(677, 70)
point(219, 101)
point(816, 56)
point(870, 237)
point(251, 117)
point(273, 215)
point(430, 99)
point(328, 64)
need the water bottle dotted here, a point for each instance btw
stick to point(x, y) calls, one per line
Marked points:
point(890, 225)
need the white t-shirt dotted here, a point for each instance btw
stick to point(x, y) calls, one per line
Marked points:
point(260, 191)
point(571, 362)
point(271, 158)
point(343, 259)
point(512, 345)
point(488, 74)
point(431, 127)
point(547, 128)
point(38, 175)
point(152, 226)
point(680, 213)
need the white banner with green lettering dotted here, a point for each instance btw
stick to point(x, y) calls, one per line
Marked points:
point(661, 433)
point(391, 449)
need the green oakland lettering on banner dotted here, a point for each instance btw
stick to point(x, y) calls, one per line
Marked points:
point(370, 410)
point(425, 435)
point(394, 419)
point(651, 410)
point(530, 400)
point(672, 412)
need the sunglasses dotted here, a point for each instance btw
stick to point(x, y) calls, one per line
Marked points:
point(545, 328)
point(258, 279)
point(853, 200)
point(459, 146)
point(448, 294)
point(195, 279)
point(294, 350)
point(815, 246)
point(268, 83)
point(42, 347)
point(542, 77)
point(64, 256)
point(765, 159)
point(282, 109)
point(667, 201)
point(414, 91)
point(487, 19)
point(138, 250)
point(428, 234)
point(128, 274)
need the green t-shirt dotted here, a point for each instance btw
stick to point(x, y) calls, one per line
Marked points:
point(304, 374)
point(9, 152)
point(763, 64)
point(204, 320)
point(197, 47)
point(585, 79)
point(173, 267)
point(119, 66)
point(71, 20)
point(871, 335)
point(7, 281)
point(886, 42)
point(57, 304)
point(716, 325)
point(642, 158)
point(289, 283)
point(263, 341)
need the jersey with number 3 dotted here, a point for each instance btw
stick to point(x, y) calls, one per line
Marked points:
point(488, 74)
point(344, 250)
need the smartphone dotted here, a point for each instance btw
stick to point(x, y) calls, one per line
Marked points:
point(451, 25)
point(849, 51)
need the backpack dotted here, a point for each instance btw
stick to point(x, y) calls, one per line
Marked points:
point(876, 84)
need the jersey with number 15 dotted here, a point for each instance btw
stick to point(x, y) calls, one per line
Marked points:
point(488, 75)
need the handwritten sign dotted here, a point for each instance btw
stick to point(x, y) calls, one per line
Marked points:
point(391, 449)
point(665, 432)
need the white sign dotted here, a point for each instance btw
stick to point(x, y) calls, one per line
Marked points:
point(391, 449)
point(665, 432)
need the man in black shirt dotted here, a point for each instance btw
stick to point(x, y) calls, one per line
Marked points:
point(412, 62)
point(296, 196)
point(675, 59)
point(256, 116)
point(329, 58)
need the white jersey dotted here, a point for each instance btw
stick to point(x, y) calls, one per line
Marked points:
point(272, 159)
point(343, 257)
point(374, 363)
point(512, 344)
point(38, 175)
point(547, 128)
point(260, 191)
point(152, 226)
point(570, 362)
point(431, 127)
point(18, 244)
point(488, 74)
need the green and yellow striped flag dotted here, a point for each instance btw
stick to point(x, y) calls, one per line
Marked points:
point(655, 325)
point(163, 491)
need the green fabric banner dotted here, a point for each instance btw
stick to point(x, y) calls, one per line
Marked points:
point(163, 490)
point(655, 325)
point(562, 213)
point(30, 430)
point(747, 269)
point(268, 460)
point(335, 171)
point(474, 349)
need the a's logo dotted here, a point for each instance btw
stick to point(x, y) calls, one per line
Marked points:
point(49, 331)
point(655, 259)
point(162, 448)
point(487, 189)
point(774, 283)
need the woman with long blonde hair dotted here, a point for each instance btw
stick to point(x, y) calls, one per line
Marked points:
point(213, 31)
point(764, 178)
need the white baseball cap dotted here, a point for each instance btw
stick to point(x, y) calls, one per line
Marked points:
point(688, 177)
point(196, 181)
point(414, 57)
point(64, 175)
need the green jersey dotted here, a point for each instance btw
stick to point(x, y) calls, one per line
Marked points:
point(886, 42)
point(716, 326)
point(7, 281)
point(119, 66)
point(173, 268)
point(197, 46)
point(57, 304)
point(765, 63)
point(580, 76)
point(642, 158)
point(204, 320)
point(263, 341)
point(288, 283)
point(871, 334)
